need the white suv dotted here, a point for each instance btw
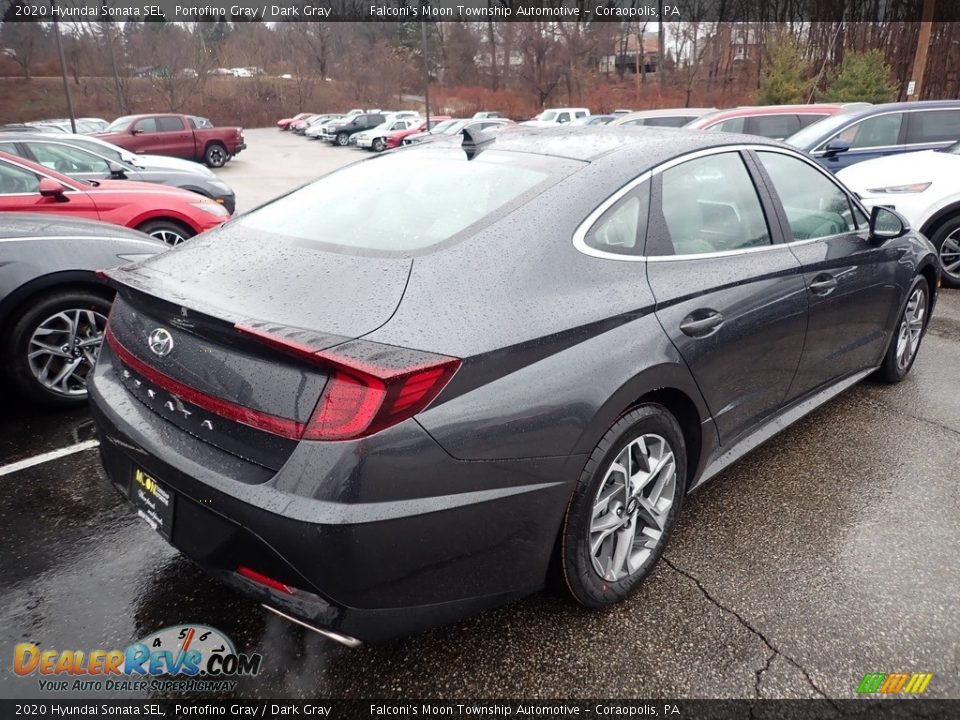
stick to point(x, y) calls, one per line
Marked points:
point(557, 116)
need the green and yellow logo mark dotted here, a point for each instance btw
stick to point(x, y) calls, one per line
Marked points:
point(894, 683)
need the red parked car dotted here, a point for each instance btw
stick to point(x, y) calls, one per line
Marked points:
point(770, 121)
point(286, 122)
point(184, 136)
point(395, 139)
point(169, 214)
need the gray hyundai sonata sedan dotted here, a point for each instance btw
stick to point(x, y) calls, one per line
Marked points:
point(379, 406)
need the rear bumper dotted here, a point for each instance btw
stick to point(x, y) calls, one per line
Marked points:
point(361, 564)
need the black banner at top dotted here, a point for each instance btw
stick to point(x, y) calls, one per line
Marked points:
point(671, 11)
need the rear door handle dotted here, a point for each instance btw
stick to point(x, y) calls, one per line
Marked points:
point(701, 323)
point(823, 284)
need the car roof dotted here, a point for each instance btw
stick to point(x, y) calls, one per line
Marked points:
point(751, 110)
point(664, 112)
point(868, 110)
point(640, 147)
point(25, 225)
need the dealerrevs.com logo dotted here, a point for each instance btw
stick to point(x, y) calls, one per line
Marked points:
point(182, 657)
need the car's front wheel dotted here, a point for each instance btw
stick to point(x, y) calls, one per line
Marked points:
point(908, 334)
point(947, 241)
point(343, 139)
point(624, 507)
point(54, 345)
point(170, 232)
point(379, 145)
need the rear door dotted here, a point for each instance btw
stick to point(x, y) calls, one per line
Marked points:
point(174, 137)
point(729, 294)
point(850, 281)
point(931, 129)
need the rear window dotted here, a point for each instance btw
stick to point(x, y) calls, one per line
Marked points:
point(440, 194)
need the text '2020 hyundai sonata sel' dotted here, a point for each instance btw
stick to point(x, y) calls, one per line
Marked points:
point(378, 408)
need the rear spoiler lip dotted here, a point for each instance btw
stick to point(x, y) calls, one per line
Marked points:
point(126, 281)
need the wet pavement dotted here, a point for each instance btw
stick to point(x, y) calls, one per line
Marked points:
point(827, 553)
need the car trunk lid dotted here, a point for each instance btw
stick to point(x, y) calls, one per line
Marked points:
point(190, 349)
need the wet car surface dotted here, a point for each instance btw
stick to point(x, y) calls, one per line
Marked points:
point(827, 553)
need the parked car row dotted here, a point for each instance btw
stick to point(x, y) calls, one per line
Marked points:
point(85, 125)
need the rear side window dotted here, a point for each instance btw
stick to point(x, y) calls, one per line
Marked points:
point(876, 131)
point(734, 125)
point(622, 226)
point(932, 126)
point(814, 205)
point(674, 122)
point(775, 127)
point(169, 124)
point(710, 205)
point(363, 207)
point(809, 119)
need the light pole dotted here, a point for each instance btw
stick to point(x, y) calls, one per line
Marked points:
point(63, 68)
point(426, 70)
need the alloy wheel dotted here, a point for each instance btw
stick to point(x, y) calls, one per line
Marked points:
point(216, 156)
point(168, 235)
point(64, 348)
point(631, 507)
point(950, 255)
point(911, 328)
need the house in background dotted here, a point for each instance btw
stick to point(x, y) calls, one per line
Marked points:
point(625, 55)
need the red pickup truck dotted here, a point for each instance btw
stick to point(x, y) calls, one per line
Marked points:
point(184, 136)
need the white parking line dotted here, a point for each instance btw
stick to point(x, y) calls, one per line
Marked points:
point(47, 457)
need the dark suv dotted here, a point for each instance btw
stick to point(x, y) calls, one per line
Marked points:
point(880, 130)
point(339, 133)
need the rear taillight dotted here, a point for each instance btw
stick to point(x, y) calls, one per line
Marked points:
point(366, 391)
point(264, 580)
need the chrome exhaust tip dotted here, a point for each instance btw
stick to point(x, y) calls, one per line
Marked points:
point(346, 640)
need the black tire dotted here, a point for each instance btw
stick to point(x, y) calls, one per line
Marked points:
point(46, 310)
point(896, 367)
point(582, 579)
point(947, 241)
point(378, 145)
point(216, 155)
point(167, 230)
point(343, 139)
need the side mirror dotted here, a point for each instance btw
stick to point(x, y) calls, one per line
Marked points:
point(52, 189)
point(117, 171)
point(135, 131)
point(885, 224)
point(836, 146)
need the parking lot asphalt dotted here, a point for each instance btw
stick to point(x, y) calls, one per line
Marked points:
point(827, 553)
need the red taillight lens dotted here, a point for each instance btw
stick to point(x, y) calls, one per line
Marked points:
point(264, 580)
point(362, 397)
